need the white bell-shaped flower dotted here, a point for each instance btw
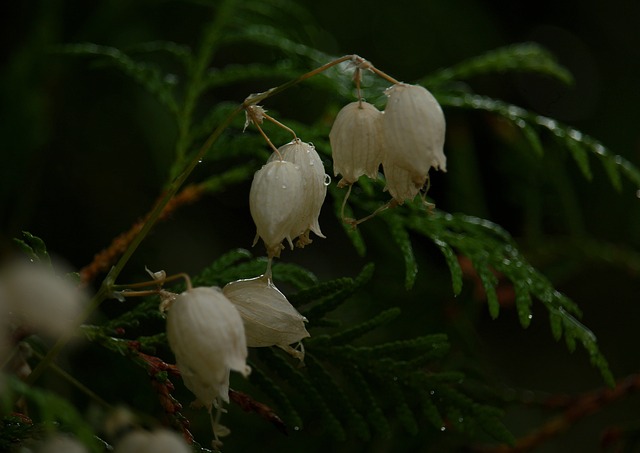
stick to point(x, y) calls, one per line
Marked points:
point(277, 203)
point(413, 131)
point(306, 158)
point(158, 441)
point(206, 334)
point(269, 318)
point(39, 299)
point(356, 142)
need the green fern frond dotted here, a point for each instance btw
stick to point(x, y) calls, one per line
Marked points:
point(374, 413)
point(383, 318)
point(336, 293)
point(339, 401)
point(33, 247)
point(266, 35)
point(454, 265)
point(400, 236)
point(524, 57)
point(490, 249)
point(311, 394)
point(181, 52)
point(217, 274)
point(151, 77)
point(240, 73)
point(279, 397)
point(616, 166)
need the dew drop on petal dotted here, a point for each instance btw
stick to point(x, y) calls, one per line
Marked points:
point(284, 186)
point(327, 179)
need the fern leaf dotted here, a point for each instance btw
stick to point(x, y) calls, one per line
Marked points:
point(489, 282)
point(341, 404)
point(375, 414)
point(353, 333)
point(293, 274)
point(489, 246)
point(33, 247)
point(523, 303)
point(336, 297)
point(161, 85)
point(453, 264)
point(410, 347)
point(272, 37)
point(531, 135)
point(401, 238)
point(306, 388)
point(524, 57)
point(429, 409)
point(403, 411)
point(181, 52)
point(581, 157)
point(279, 397)
point(239, 73)
point(615, 165)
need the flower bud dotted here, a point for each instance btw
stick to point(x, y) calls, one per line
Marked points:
point(62, 443)
point(158, 441)
point(276, 201)
point(269, 318)
point(39, 299)
point(356, 143)
point(206, 334)
point(306, 158)
point(413, 131)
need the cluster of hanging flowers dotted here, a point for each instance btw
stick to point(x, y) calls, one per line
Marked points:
point(407, 138)
point(210, 330)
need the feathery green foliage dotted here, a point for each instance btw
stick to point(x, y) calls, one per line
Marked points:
point(354, 385)
point(578, 143)
point(524, 57)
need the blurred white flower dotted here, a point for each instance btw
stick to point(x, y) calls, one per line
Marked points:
point(61, 443)
point(40, 300)
point(206, 334)
point(158, 441)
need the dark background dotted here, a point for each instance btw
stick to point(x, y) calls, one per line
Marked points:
point(84, 152)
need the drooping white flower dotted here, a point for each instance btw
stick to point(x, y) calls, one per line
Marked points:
point(206, 334)
point(356, 142)
point(158, 441)
point(306, 158)
point(277, 204)
point(413, 131)
point(39, 299)
point(269, 318)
